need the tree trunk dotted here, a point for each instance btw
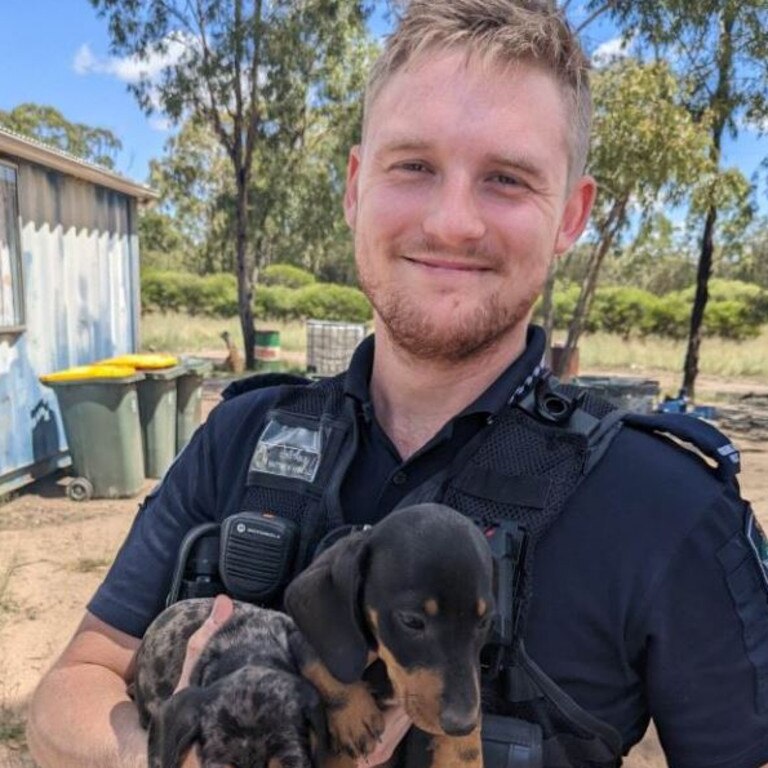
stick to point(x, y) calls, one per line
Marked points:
point(612, 226)
point(722, 106)
point(703, 273)
point(244, 274)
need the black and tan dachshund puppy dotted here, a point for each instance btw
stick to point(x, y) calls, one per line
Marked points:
point(412, 594)
point(414, 591)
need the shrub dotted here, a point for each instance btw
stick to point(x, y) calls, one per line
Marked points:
point(620, 309)
point(214, 295)
point(668, 316)
point(160, 291)
point(219, 295)
point(326, 301)
point(275, 302)
point(286, 275)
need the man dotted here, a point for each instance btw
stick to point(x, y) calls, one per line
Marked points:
point(468, 182)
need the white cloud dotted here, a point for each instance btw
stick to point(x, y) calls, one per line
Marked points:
point(615, 48)
point(131, 69)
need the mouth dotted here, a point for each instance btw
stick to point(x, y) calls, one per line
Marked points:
point(447, 266)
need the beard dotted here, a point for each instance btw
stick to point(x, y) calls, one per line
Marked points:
point(470, 333)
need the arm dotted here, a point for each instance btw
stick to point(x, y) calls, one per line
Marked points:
point(81, 715)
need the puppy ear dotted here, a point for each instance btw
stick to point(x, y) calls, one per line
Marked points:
point(175, 728)
point(324, 601)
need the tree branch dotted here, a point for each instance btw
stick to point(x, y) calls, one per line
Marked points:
point(595, 14)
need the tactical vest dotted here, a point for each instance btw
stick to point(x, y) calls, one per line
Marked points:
point(519, 470)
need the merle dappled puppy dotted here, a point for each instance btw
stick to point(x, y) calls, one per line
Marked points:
point(246, 704)
point(415, 593)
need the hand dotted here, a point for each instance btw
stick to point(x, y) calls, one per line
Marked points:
point(396, 725)
point(221, 612)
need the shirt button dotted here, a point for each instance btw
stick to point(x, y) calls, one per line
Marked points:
point(399, 478)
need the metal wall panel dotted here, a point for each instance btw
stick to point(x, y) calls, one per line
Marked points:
point(80, 276)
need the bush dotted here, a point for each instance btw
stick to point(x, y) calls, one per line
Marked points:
point(161, 291)
point(620, 310)
point(286, 275)
point(668, 316)
point(214, 295)
point(275, 302)
point(326, 301)
point(219, 295)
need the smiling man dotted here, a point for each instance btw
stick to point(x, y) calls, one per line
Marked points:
point(621, 550)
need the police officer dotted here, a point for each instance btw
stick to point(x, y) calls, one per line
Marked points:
point(644, 593)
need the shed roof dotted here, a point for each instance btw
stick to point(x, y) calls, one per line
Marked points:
point(24, 148)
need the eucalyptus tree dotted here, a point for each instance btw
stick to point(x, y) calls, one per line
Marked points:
point(48, 125)
point(646, 149)
point(250, 70)
point(720, 48)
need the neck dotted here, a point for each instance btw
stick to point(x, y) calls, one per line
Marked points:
point(414, 398)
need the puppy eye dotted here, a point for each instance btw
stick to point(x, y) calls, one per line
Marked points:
point(411, 621)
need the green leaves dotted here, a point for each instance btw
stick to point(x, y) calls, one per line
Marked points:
point(48, 125)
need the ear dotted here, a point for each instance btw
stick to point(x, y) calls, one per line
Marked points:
point(578, 206)
point(351, 191)
point(324, 600)
point(175, 728)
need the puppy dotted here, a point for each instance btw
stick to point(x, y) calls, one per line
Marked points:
point(415, 593)
point(246, 705)
point(411, 598)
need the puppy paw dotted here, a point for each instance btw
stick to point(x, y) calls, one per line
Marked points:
point(355, 725)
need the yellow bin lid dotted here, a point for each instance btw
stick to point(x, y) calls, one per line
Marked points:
point(88, 372)
point(147, 362)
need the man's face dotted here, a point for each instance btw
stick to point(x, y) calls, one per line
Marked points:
point(458, 203)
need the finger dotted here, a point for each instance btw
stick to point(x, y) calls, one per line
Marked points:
point(396, 725)
point(220, 613)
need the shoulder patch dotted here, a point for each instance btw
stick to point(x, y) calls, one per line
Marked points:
point(744, 559)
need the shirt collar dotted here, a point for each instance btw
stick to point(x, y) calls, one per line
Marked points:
point(517, 377)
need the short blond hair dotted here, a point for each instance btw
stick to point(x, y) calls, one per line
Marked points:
point(506, 32)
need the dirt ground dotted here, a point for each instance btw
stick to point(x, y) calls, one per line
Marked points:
point(54, 552)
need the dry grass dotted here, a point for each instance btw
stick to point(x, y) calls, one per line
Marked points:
point(176, 333)
point(719, 357)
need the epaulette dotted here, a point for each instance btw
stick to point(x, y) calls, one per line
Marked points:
point(261, 381)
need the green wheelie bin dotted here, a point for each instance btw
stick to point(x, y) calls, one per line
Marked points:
point(100, 413)
point(157, 413)
point(189, 398)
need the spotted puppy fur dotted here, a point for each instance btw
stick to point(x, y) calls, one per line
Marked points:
point(245, 705)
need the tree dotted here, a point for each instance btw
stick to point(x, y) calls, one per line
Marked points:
point(196, 188)
point(47, 124)
point(249, 70)
point(645, 147)
point(721, 48)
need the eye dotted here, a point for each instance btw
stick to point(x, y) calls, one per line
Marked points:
point(414, 167)
point(506, 181)
point(411, 621)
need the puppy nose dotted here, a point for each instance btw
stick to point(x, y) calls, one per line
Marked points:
point(457, 723)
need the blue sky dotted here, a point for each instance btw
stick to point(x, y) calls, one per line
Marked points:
point(56, 52)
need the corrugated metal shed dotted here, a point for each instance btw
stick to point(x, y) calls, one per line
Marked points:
point(80, 293)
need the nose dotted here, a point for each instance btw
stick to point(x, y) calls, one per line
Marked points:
point(453, 218)
point(456, 723)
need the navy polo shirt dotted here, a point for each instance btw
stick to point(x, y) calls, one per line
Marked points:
point(646, 599)
point(378, 478)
